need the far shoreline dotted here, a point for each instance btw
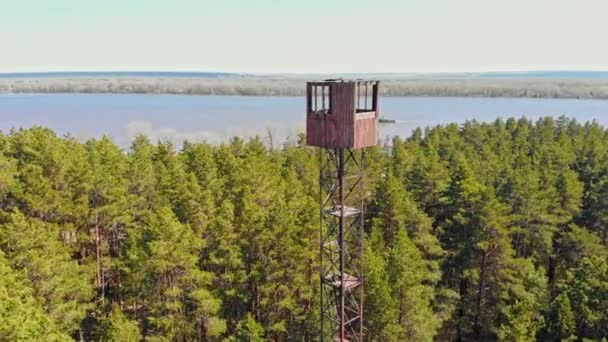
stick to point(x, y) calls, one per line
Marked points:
point(549, 88)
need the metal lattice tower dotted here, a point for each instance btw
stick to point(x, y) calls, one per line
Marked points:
point(342, 119)
point(342, 245)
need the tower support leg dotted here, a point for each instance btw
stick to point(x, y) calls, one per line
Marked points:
point(341, 268)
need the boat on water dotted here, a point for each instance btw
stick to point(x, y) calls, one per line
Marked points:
point(385, 120)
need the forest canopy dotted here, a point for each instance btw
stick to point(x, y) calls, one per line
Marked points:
point(480, 231)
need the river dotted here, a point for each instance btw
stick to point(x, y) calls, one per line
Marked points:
point(216, 118)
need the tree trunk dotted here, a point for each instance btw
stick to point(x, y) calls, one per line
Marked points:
point(480, 290)
point(99, 280)
point(463, 289)
point(551, 274)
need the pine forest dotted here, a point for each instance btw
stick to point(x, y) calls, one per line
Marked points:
point(474, 232)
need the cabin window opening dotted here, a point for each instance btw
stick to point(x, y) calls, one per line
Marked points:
point(365, 97)
point(321, 95)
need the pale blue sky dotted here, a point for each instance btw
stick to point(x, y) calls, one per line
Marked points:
point(303, 35)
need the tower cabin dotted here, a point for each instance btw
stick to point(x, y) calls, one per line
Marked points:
point(342, 113)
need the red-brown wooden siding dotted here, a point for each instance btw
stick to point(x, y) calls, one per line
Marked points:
point(340, 129)
point(366, 132)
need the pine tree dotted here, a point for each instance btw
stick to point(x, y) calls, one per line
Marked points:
point(429, 181)
point(410, 262)
point(482, 267)
point(494, 266)
point(223, 257)
point(250, 331)
point(587, 289)
point(180, 189)
point(408, 278)
point(143, 203)
point(521, 316)
point(53, 176)
point(559, 323)
point(60, 283)
point(570, 192)
point(534, 225)
point(22, 317)
point(117, 327)
point(380, 307)
point(595, 215)
point(298, 171)
point(8, 174)
point(141, 178)
point(393, 209)
point(108, 218)
point(578, 243)
point(590, 166)
point(199, 165)
point(177, 291)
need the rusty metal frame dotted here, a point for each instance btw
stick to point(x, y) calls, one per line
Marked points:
point(341, 244)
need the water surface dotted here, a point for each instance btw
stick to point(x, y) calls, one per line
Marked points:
point(216, 118)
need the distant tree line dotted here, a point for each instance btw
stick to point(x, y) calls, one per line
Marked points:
point(266, 86)
point(474, 232)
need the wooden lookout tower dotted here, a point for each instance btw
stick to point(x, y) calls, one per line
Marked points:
point(342, 114)
point(342, 119)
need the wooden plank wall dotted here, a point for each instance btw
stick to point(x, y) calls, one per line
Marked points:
point(366, 131)
point(336, 129)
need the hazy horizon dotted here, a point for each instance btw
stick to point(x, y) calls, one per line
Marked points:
point(532, 72)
